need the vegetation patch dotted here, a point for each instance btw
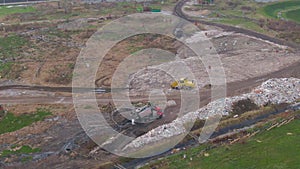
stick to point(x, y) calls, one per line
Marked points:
point(273, 9)
point(15, 150)
point(61, 74)
point(5, 68)
point(293, 15)
point(12, 123)
point(8, 10)
point(11, 46)
point(243, 106)
point(277, 148)
point(11, 70)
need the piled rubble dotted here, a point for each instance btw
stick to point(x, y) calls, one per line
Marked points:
point(165, 131)
point(274, 91)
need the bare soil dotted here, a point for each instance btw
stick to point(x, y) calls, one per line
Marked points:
point(49, 61)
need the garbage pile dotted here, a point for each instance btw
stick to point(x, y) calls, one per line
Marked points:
point(276, 91)
point(273, 91)
point(162, 132)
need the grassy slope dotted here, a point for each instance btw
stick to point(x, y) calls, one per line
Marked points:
point(273, 9)
point(244, 24)
point(8, 11)
point(294, 15)
point(272, 149)
point(236, 15)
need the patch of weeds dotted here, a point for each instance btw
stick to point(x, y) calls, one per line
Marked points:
point(243, 106)
point(12, 123)
point(11, 70)
point(71, 65)
point(5, 68)
point(27, 158)
point(19, 150)
point(198, 124)
point(61, 74)
point(11, 45)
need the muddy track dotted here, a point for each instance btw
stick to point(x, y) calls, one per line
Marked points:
point(233, 88)
point(59, 89)
point(43, 88)
point(178, 12)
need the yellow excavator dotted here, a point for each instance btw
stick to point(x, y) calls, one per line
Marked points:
point(183, 83)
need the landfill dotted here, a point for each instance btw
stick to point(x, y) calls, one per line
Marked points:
point(272, 91)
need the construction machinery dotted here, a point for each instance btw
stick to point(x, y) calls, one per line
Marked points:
point(146, 113)
point(139, 114)
point(183, 83)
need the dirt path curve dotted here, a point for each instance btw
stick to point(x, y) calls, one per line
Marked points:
point(178, 11)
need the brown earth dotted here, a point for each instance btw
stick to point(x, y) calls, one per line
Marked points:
point(51, 63)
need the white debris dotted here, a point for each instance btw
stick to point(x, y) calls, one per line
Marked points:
point(274, 91)
point(159, 133)
point(171, 103)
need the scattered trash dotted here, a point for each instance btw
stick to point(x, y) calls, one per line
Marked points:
point(40, 156)
point(176, 150)
point(171, 103)
point(273, 91)
point(53, 119)
point(68, 147)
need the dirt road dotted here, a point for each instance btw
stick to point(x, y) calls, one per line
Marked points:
point(178, 11)
point(63, 94)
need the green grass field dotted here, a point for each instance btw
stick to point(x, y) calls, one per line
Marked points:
point(277, 148)
point(4, 10)
point(243, 23)
point(273, 9)
point(293, 15)
point(12, 123)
